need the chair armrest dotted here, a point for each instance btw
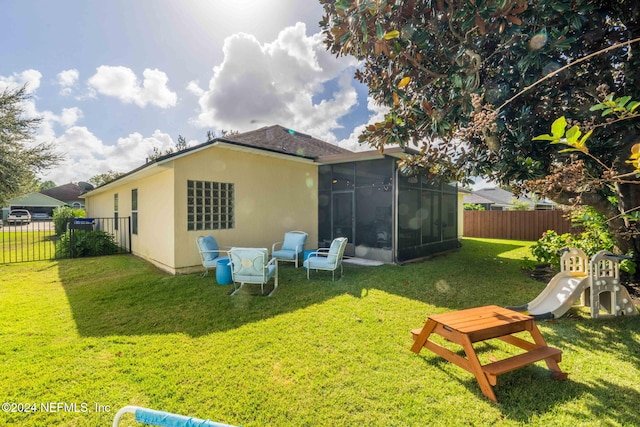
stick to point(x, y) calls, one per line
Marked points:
point(273, 247)
point(272, 261)
point(320, 252)
point(213, 251)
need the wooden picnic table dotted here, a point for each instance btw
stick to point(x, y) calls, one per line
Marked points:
point(467, 327)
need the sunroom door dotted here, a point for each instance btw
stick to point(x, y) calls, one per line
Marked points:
point(343, 215)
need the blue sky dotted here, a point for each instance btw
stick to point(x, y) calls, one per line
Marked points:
point(114, 79)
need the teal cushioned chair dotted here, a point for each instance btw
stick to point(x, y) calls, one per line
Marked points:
point(252, 265)
point(292, 249)
point(327, 259)
point(209, 252)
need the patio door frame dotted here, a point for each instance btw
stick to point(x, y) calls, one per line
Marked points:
point(335, 196)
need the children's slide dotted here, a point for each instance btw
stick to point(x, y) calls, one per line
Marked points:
point(606, 296)
point(560, 294)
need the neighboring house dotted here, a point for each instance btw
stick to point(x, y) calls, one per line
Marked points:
point(69, 193)
point(495, 198)
point(35, 203)
point(249, 189)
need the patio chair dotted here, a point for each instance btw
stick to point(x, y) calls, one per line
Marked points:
point(327, 259)
point(292, 249)
point(163, 419)
point(252, 265)
point(209, 252)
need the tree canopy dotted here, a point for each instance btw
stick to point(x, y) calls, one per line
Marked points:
point(103, 178)
point(20, 157)
point(470, 83)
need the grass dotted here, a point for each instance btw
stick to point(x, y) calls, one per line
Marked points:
point(18, 245)
point(97, 334)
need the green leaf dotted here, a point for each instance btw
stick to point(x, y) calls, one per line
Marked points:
point(544, 138)
point(573, 134)
point(379, 31)
point(598, 107)
point(569, 150)
point(623, 101)
point(558, 127)
point(583, 140)
point(632, 106)
point(343, 4)
point(607, 112)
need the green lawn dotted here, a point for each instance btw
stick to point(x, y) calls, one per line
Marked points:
point(17, 245)
point(102, 333)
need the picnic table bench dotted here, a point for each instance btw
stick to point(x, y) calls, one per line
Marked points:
point(467, 327)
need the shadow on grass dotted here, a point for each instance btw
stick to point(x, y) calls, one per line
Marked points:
point(530, 391)
point(124, 295)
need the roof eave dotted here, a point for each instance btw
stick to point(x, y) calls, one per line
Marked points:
point(397, 152)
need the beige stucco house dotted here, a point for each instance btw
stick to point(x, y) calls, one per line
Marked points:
point(249, 189)
point(245, 190)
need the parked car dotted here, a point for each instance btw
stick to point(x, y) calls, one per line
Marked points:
point(21, 216)
point(39, 216)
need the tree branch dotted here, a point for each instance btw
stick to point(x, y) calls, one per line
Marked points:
point(559, 70)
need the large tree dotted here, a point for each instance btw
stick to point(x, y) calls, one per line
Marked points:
point(471, 82)
point(20, 157)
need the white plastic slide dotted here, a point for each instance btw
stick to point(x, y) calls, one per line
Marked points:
point(606, 296)
point(558, 296)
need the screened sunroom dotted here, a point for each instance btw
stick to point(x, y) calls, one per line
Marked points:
point(385, 215)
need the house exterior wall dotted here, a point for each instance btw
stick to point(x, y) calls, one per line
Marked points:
point(272, 195)
point(154, 240)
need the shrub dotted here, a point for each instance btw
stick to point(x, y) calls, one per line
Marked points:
point(81, 243)
point(63, 215)
point(594, 238)
point(473, 207)
point(547, 249)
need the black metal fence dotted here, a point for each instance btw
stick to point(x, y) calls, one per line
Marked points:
point(39, 241)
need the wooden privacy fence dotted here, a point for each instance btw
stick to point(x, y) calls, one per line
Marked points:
point(514, 225)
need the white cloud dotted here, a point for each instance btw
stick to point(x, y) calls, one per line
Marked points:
point(29, 77)
point(195, 88)
point(122, 83)
point(135, 148)
point(86, 155)
point(70, 116)
point(276, 82)
point(67, 79)
point(377, 115)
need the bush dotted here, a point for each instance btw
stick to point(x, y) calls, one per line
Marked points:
point(547, 249)
point(80, 243)
point(63, 215)
point(473, 207)
point(593, 239)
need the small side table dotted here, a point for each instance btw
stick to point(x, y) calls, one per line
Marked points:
point(466, 327)
point(223, 271)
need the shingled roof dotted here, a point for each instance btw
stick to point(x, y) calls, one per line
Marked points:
point(67, 193)
point(274, 139)
point(286, 141)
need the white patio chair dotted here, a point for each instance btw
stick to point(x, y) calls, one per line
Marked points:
point(210, 252)
point(292, 249)
point(252, 265)
point(327, 259)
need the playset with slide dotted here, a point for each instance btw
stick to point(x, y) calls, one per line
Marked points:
point(595, 282)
